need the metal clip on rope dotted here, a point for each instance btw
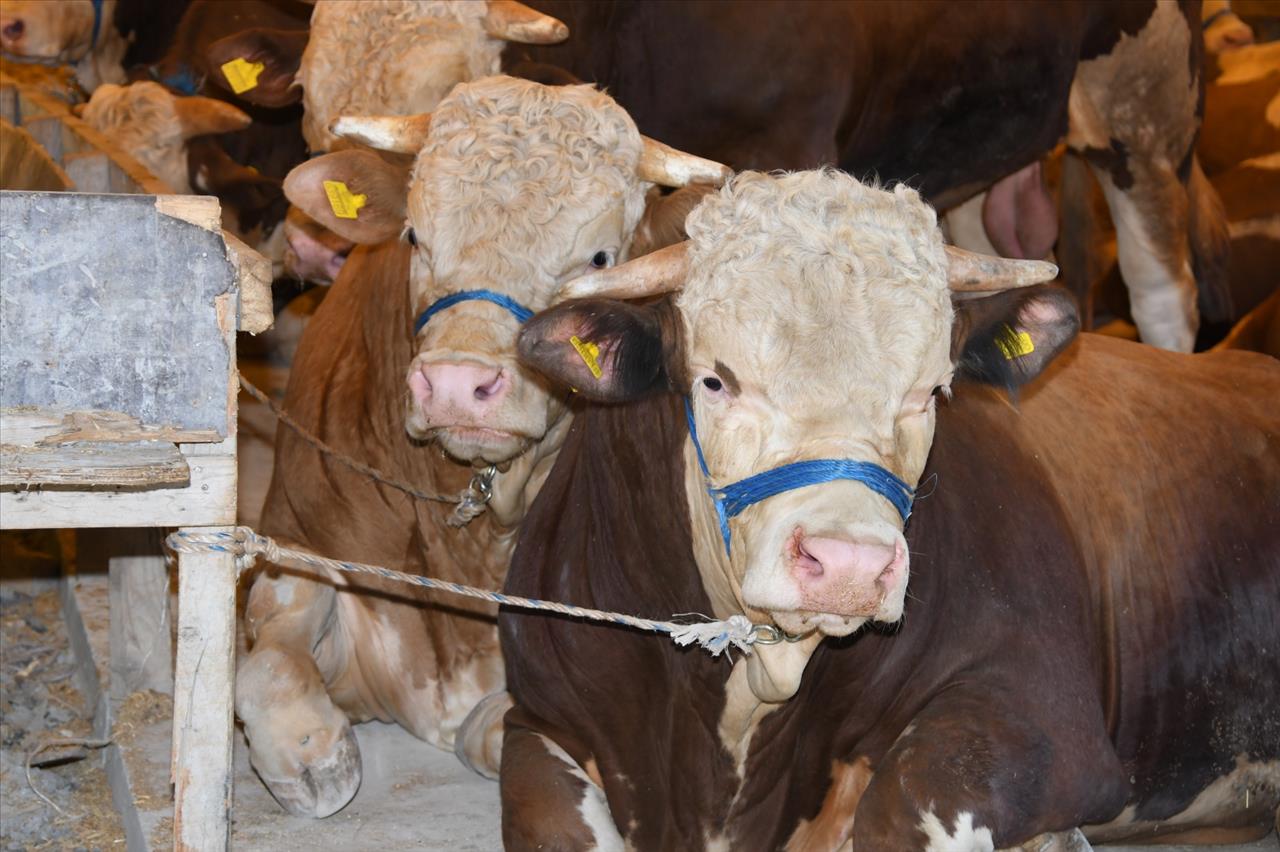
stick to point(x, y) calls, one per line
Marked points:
point(475, 498)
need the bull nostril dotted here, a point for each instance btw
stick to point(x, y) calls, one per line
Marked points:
point(13, 30)
point(485, 391)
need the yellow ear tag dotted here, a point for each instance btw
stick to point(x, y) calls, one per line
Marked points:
point(242, 74)
point(590, 354)
point(345, 205)
point(1014, 344)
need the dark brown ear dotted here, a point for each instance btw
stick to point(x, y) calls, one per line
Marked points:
point(279, 52)
point(356, 194)
point(662, 224)
point(1010, 338)
point(606, 350)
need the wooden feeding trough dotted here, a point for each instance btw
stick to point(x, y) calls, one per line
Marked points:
point(118, 404)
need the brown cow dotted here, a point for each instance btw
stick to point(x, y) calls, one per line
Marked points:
point(1087, 639)
point(950, 97)
point(515, 189)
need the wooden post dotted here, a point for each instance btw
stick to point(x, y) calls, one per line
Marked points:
point(203, 699)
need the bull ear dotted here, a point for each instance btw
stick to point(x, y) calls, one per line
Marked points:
point(278, 52)
point(662, 224)
point(355, 193)
point(201, 116)
point(1010, 338)
point(606, 350)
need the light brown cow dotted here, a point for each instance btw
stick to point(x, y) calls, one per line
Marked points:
point(153, 125)
point(374, 57)
point(81, 33)
point(400, 57)
point(515, 188)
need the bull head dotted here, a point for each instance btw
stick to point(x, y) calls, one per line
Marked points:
point(515, 189)
point(814, 318)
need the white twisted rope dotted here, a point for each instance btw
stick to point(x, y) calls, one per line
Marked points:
point(246, 546)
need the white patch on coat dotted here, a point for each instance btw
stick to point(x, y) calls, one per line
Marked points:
point(963, 838)
point(594, 807)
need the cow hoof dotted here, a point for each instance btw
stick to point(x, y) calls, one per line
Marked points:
point(326, 779)
point(478, 743)
point(1062, 841)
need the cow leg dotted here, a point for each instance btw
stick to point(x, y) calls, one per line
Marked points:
point(1151, 222)
point(1134, 115)
point(300, 743)
point(974, 773)
point(478, 743)
point(1057, 841)
point(548, 801)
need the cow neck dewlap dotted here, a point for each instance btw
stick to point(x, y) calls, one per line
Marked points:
point(515, 488)
point(773, 672)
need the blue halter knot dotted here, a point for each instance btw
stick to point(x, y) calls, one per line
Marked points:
point(733, 499)
point(517, 310)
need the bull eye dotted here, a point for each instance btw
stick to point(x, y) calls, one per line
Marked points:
point(602, 259)
point(410, 237)
point(713, 384)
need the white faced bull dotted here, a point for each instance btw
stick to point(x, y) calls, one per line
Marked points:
point(812, 334)
point(515, 189)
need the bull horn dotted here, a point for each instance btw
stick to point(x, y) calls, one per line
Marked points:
point(970, 272)
point(664, 165)
point(660, 272)
point(401, 134)
point(512, 21)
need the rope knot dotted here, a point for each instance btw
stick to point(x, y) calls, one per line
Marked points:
point(736, 631)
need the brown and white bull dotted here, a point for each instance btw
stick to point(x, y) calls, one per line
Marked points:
point(1087, 637)
point(514, 189)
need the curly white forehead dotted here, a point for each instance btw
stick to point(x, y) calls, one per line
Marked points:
point(508, 156)
point(822, 224)
point(499, 122)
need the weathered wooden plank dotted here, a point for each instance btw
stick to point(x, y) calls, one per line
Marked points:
point(110, 303)
point(202, 701)
point(141, 649)
point(89, 171)
point(209, 499)
point(253, 276)
point(33, 426)
point(47, 131)
point(24, 164)
point(93, 466)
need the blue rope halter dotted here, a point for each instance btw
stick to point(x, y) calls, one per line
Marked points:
point(97, 22)
point(517, 310)
point(733, 499)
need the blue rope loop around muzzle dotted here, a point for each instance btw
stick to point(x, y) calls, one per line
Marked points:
point(517, 310)
point(733, 499)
